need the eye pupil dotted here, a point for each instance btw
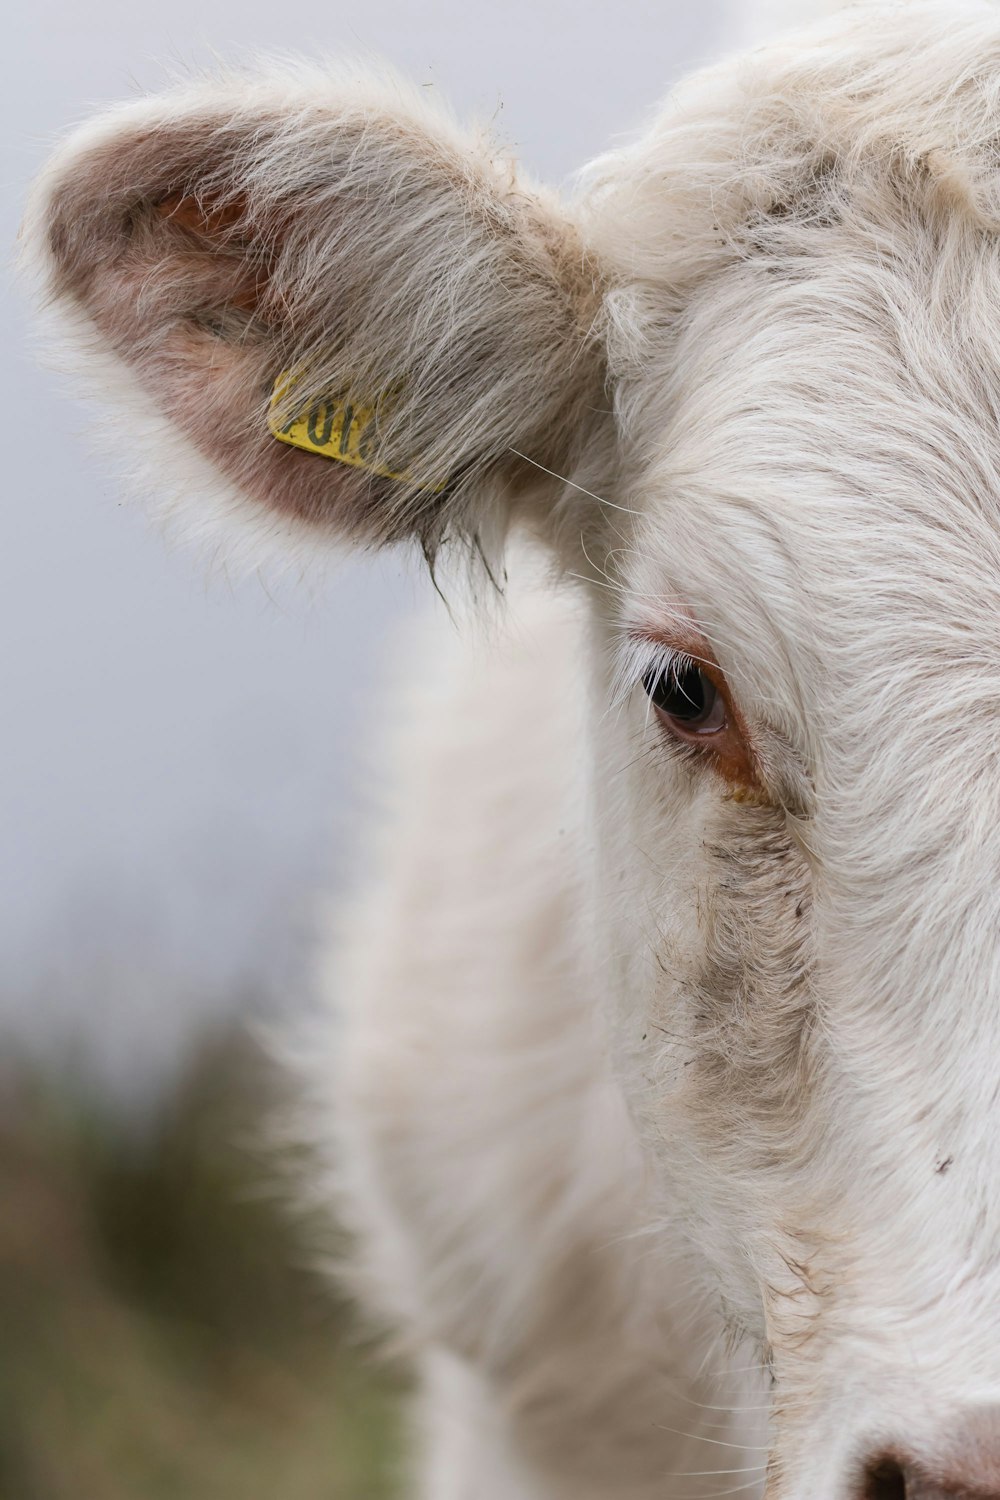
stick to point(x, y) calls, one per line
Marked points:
point(683, 693)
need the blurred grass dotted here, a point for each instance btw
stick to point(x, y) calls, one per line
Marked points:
point(160, 1337)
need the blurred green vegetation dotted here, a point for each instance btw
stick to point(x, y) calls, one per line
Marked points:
point(161, 1334)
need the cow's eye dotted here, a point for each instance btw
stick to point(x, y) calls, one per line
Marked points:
point(695, 709)
point(687, 699)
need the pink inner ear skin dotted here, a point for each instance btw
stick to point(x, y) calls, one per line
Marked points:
point(225, 231)
point(173, 291)
point(192, 213)
point(218, 393)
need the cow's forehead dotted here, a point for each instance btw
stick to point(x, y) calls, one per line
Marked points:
point(816, 462)
point(804, 339)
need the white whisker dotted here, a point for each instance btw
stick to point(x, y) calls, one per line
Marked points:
point(573, 484)
point(719, 1442)
point(710, 1473)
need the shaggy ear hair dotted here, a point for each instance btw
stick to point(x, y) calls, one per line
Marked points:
point(352, 311)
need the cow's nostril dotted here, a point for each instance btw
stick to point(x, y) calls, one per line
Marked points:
point(972, 1476)
point(884, 1480)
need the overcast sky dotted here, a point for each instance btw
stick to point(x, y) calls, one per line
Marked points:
point(177, 755)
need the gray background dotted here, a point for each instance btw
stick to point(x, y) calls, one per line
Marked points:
point(177, 751)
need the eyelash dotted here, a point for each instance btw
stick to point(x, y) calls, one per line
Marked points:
point(638, 660)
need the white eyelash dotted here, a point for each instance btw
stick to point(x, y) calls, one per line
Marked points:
point(640, 657)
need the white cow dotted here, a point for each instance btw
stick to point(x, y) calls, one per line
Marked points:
point(665, 1091)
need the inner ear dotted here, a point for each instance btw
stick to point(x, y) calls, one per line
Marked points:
point(247, 252)
point(391, 286)
point(208, 220)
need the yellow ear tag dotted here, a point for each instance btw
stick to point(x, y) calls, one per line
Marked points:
point(332, 428)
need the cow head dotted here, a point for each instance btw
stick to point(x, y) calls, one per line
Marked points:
point(746, 390)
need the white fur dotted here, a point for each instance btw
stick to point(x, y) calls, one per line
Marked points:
point(666, 1119)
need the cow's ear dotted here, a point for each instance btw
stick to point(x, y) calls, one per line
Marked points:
point(357, 315)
